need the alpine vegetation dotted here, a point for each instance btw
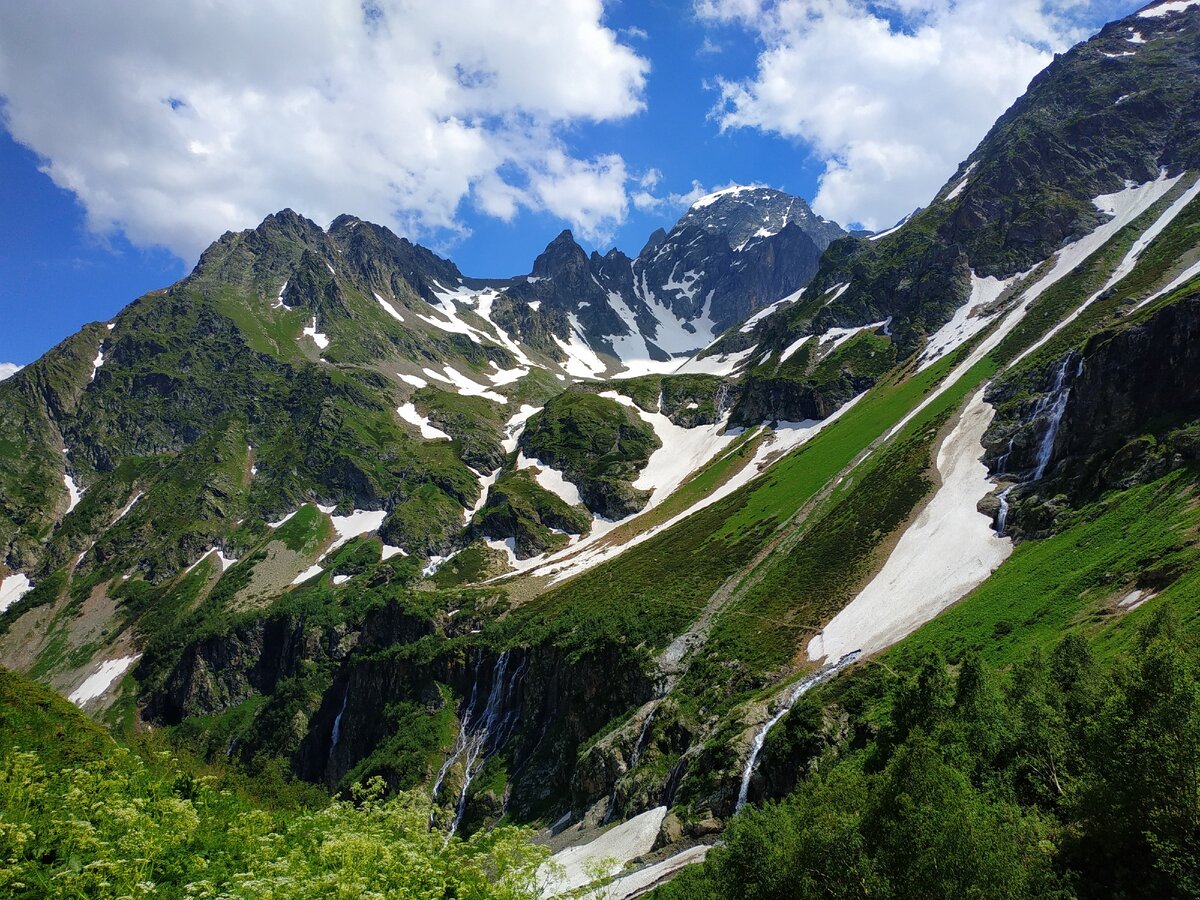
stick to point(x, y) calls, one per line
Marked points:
point(781, 559)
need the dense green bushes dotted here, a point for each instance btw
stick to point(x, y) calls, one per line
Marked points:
point(1062, 777)
point(80, 817)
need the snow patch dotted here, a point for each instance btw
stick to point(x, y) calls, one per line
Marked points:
point(1183, 278)
point(388, 308)
point(506, 376)
point(409, 414)
point(414, 380)
point(551, 479)
point(102, 679)
point(464, 385)
point(948, 550)
point(127, 507)
point(1165, 9)
point(637, 884)
point(732, 191)
point(962, 184)
point(13, 588)
point(311, 572)
point(389, 551)
point(893, 229)
point(356, 524)
point(582, 361)
point(1124, 206)
point(793, 347)
point(73, 492)
point(683, 450)
point(318, 338)
point(516, 425)
point(574, 867)
point(968, 320)
point(1130, 260)
point(97, 363)
point(725, 364)
point(279, 304)
point(748, 325)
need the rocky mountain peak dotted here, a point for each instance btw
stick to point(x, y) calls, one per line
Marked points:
point(561, 253)
point(744, 213)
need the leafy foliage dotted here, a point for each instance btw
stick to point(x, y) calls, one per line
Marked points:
point(1063, 777)
point(101, 821)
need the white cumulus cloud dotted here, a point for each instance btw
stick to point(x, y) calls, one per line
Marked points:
point(173, 122)
point(892, 94)
point(7, 370)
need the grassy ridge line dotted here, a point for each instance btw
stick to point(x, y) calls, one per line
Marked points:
point(609, 602)
point(1082, 282)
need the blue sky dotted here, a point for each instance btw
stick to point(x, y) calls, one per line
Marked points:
point(114, 176)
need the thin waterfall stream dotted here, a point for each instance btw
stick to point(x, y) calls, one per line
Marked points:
point(486, 724)
point(802, 687)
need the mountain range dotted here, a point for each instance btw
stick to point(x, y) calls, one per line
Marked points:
point(622, 545)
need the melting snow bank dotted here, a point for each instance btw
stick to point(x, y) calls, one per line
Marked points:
point(639, 883)
point(802, 687)
point(13, 588)
point(574, 868)
point(102, 679)
point(947, 552)
point(683, 450)
point(968, 320)
point(593, 549)
point(551, 479)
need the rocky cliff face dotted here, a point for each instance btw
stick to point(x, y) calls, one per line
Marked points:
point(1116, 413)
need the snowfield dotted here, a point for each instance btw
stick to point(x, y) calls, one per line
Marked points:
point(1124, 207)
point(13, 588)
point(968, 320)
point(948, 550)
point(102, 679)
point(683, 450)
point(614, 848)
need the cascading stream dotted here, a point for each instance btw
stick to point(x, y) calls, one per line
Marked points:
point(802, 688)
point(1002, 515)
point(336, 734)
point(482, 730)
point(1053, 405)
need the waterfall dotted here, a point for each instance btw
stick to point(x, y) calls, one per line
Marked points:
point(801, 688)
point(720, 399)
point(642, 735)
point(483, 729)
point(336, 734)
point(1002, 515)
point(634, 757)
point(1053, 405)
point(1002, 461)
